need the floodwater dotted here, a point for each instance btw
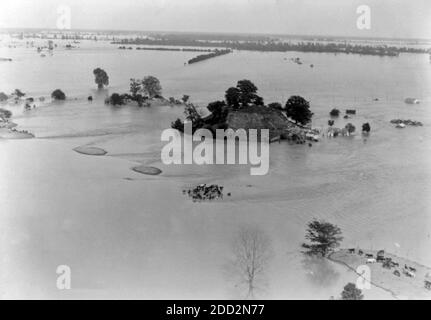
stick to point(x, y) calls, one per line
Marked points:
point(126, 235)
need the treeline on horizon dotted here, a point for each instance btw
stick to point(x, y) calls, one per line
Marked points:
point(277, 46)
point(168, 49)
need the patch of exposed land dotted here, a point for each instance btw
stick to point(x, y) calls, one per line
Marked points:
point(91, 151)
point(258, 117)
point(8, 131)
point(147, 170)
point(401, 287)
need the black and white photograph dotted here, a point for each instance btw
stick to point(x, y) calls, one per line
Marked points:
point(235, 150)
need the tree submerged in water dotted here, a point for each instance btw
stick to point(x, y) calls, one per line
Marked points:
point(3, 96)
point(324, 237)
point(5, 114)
point(366, 127)
point(135, 86)
point(101, 78)
point(116, 99)
point(58, 95)
point(298, 109)
point(18, 93)
point(350, 128)
point(142, 90)
point(192, 115)
point(334, 112)
point(151, 87)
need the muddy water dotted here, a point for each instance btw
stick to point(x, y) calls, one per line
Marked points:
point(128, 235)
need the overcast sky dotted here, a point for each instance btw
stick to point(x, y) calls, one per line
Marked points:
point(389, 18)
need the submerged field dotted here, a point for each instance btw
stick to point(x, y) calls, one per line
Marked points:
point(125, 234)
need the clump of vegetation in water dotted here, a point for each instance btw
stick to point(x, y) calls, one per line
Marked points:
point(5, 114)
point(407, 122)
point(18, 93)
point(350, 128)
point(334, 112)
point(3, 96)
point(151, 87)
point(101, 78)
point(185, 98)
point(173, 101)
point(298, 109)
point(178, 125)
point(366, 127)
point(58, 95)
point(204, 192)
point(140, 91)
point(116, 99)
point(192, 115)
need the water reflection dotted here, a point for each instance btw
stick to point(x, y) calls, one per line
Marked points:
point(319, 271)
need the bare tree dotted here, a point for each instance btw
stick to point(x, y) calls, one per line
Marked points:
point(252, 252)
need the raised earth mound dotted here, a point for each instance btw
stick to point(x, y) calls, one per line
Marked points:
point(147, 170)
point(91, 151)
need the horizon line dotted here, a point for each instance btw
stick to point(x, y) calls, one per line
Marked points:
point(213, 32)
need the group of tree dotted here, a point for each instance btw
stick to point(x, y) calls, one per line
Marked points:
point(185, 98)
point(323, 238)
point(240, 97)
point(140, 91)
point(274, 45)
point(3, 96)
point(243, 95)
point(149, 86)
point(5, 114)
point(253, 251)
point(350, 128)
point(18, 94)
